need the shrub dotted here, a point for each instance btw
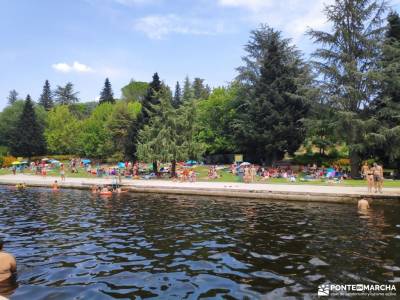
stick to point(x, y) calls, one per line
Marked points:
point(8, 160)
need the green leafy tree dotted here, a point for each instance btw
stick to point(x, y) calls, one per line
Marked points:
point(28, 139)
point(346, 62)
point(95, 138)
point(272, 99)
point(46, 98)
point(12, 97)
point(107, 94)
point(177, 99)
point(119, 123)
point(83, 110)
point(215, 116)
point(66, 95)
point(135, 91)
point(62, 132)
point(9, 118)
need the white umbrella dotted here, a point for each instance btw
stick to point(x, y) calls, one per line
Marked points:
point(245, 164)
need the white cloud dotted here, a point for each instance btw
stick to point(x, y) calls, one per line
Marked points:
point(62, 67)
point(159, 26)
point(249, 4)
point(74, 67)
point(294, 17)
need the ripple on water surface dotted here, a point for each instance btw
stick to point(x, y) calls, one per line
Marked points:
point(72, 244)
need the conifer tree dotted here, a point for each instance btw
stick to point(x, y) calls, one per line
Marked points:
point(151, 98)
point(28, 138)
point(347, 60)
point(177, 99)
point(46, 98)
point(272, 98)
point(169, 136)
point(200, 91)
point(387, 105)
point(12, 97)
point(187, 94)
point(107, 94)
point(66, 95)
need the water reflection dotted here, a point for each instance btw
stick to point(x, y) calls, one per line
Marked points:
point(73, 244)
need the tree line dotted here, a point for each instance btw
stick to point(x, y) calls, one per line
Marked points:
point(347, 94)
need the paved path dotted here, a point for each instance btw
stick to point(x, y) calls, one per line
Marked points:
point(205, 186)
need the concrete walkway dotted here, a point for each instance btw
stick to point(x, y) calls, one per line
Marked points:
point(232, 189)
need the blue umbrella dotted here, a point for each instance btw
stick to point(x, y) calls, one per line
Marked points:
point(86, 161)
point(121, 165)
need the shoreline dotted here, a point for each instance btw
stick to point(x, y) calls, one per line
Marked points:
point(305, 193)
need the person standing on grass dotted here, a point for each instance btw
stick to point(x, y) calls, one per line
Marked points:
point(62, 172)
point(253, 172)
point(368, 175)
point(377, 171)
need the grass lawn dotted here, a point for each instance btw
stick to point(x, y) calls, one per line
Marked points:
point(225, 176)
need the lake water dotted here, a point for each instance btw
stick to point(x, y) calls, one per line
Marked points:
point(72, 244)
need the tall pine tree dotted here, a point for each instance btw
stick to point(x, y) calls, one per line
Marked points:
point(46, 98)
point(346, 62)
point(177, 99)
point(65, 95)
point(200, 91)
point(387, 106)
point(187, 94)
point(107, 94)
point(148, 102)
point(272, 99)
point(151, 98)
point(28, 138)
point(12, 97)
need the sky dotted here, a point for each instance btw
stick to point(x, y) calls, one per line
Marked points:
point(85, 41)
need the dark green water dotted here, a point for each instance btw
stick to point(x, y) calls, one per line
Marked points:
point(72, 245)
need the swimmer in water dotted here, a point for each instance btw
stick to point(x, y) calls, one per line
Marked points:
point(363, 204)
point(20, 186)
point(55, 186)
point(95, 189)
point(8, 272)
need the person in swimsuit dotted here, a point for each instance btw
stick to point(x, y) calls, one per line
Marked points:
point(377, 172)
point(367, 173)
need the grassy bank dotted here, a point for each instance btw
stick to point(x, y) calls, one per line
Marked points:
point(225, 176)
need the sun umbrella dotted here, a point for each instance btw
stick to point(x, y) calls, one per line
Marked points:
point(121, 165)
point(86, 161)
point(16, 163)
point(245, 164)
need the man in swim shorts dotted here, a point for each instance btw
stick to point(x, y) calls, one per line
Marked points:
point(377, 172)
